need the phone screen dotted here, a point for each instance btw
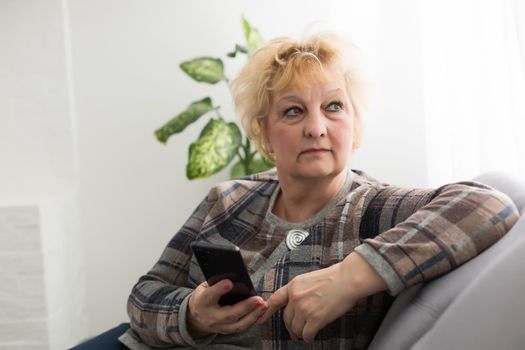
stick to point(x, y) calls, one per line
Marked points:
point(219, 262)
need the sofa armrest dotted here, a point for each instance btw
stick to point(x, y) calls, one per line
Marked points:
point(421, 316)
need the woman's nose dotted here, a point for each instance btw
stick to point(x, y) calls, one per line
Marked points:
point(315, 125)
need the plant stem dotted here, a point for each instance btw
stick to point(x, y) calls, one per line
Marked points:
point(245, 160)
point(216, 109)
point(248, 156)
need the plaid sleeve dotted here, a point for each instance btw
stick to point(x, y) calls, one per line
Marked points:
point(158, 302)
point(413, 235)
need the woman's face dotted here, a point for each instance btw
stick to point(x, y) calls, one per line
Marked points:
point(310, 129)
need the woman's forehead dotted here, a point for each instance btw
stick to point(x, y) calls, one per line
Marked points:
point(325, 87)
point(328, 77)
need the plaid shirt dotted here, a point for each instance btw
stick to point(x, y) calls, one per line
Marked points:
point(407, 235)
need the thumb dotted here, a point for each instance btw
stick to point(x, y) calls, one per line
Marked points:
point(214, 293)
point(275, 302)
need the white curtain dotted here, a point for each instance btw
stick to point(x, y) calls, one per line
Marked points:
point(473, 58)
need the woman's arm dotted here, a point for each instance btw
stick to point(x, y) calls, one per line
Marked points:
point(164, 310)
point(158, 302)
point(412, 236)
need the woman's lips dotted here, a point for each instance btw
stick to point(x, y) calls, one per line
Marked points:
point(315, 151)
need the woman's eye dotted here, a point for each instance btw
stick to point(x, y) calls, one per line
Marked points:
point(292, 112)
point(334, 106)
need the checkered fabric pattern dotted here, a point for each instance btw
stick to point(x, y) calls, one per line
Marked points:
point(407, 235)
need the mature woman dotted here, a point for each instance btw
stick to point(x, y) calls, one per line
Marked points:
point(326, 247)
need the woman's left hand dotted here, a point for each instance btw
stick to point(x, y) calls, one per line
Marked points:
point(314, 299)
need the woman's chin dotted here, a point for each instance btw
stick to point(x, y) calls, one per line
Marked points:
point(317, 172)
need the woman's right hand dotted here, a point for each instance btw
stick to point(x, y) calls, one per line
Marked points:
point(206, 316)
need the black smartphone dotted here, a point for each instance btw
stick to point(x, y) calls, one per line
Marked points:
point(219, 262)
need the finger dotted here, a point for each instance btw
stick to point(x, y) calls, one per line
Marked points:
point(288, 316)
point(275, 302)
point(310, 330)
point(201, 287)
point(198, 296)
point(296, 326)
point(212, 294)
point(200, 314)
point(245, 322)
point(233, 313)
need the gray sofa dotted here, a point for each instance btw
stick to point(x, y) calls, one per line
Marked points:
point(480, 305)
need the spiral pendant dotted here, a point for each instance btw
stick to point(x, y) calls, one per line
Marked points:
point(295, 237)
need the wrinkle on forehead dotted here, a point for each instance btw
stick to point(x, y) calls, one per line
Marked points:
point(331, 81)
point(293, 95)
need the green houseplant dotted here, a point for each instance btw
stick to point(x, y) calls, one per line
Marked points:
point(220, 142)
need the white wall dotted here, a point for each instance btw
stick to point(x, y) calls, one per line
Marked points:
point(394, 147)
point(98, 141)
point(42, 271)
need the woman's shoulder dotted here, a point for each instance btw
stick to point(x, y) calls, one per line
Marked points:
point(260, 184)
point(361, 178)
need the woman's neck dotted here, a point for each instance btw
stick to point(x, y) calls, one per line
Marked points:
point(300, 199)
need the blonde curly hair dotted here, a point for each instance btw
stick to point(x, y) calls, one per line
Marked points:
point(283, 63)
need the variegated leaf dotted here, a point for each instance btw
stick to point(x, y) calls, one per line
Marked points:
point(252, 36)
point(205, 69)
point(182, 120)
point(216, 147)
